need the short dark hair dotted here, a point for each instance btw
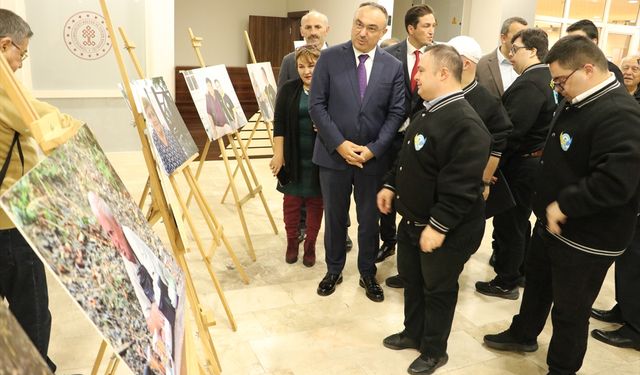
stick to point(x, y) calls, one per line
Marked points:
point(510, 21)
point(587, 26)
point(534, 38)
point(373, 4)
point(574, 51)
point(414, 14)
point(13, 26)
point(446, 56)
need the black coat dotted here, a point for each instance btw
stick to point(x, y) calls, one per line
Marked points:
point(438, 174)
point(530, 103)
point(285, 124)
point(591, 167)
point(492, 113)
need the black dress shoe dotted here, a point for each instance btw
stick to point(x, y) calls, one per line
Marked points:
point(615, 338)
point(372, 288)
point(494, 288)
point(386, 250)
point(506, 341)
point(394, 282)
point(609, 316)
point(328, 284)
point(349, 243)
point(398, 341)
point(427, 365)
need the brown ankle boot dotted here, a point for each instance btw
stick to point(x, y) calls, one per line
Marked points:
point(309, 258)
point(292, 251)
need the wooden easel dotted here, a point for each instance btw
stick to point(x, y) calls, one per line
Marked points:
point(213, 224)
point(267, 124)
point(243, 163)
point(202, 318)
point(111, 366)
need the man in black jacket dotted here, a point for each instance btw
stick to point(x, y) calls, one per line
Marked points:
point(530, 103)
point(436, 187)
point(420, 23)
point(586, 202)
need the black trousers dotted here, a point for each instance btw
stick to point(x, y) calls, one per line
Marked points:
point(628, 287)
point(512, 229)
point(337, 186)
point(388, 230)
point(24, 285)
point(431, 281)
point(568, 279)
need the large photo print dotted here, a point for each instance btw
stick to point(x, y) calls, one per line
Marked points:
point(216, 100)
point(264, 86)
point(76, 213)
point(172, 143)
point(18, 356)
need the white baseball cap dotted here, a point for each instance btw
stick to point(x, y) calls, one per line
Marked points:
point(467, 47)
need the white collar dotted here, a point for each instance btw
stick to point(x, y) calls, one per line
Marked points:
point(501, 58)
point(370, 53)
point(411, 49)
point(594, 89)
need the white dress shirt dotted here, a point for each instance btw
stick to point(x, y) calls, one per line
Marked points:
point(506, 70)
point(368, 64)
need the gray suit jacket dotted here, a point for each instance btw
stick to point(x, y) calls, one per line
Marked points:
point(288, 69)
point(488, 73)
point(339, 114)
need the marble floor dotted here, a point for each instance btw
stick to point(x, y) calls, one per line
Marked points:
point(285, 328)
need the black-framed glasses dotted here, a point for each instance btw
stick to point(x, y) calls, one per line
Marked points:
point(23, 54)
point(514, 49)
point(559, 82)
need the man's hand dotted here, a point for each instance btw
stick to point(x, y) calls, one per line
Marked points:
point(350, 153)
point(365, 153)
point(430, 239)
point(385, 200)
point(555, 217)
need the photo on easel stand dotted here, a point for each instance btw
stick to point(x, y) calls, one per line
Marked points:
point(77, 215)
point(171, 140)
point(216, 100)
point(18, 356)
point(264, 86)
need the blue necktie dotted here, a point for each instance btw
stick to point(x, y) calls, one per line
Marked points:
point(362, 74)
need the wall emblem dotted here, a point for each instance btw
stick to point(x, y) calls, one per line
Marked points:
point(86, 36)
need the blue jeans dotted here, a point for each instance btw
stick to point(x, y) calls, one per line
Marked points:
point(24, 284)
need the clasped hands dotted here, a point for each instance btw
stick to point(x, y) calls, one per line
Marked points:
point(430, 239)
point(354, 154)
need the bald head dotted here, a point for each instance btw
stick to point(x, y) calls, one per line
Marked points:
point(314, 27)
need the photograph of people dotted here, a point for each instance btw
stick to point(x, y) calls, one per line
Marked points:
point(220, 125)
point(215, 100)
point(155, 288)
point(168, 149)
point(294, 137)
point(263, 83)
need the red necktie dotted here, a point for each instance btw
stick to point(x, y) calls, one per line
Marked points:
point(415, 70)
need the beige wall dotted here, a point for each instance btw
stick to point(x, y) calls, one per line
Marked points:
point(222, 25)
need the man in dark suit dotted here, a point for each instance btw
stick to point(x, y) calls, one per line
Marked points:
point(494, 70)
point(588, 29)
point(357, 105)
point(420, 23)
point(314, 27)
point(530, 103)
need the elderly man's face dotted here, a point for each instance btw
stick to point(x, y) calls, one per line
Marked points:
point(116, 235)
point(369, 25)
point(631, 71)
point(14, 52)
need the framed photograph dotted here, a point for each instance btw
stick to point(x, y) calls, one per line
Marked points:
point(216, 100)
point(18, 356)
point(264, 87)
point(77, 215)
point(167, 132)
